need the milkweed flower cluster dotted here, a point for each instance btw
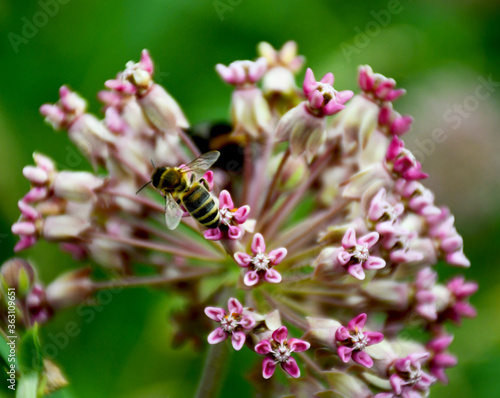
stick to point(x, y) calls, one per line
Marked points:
point(326, 247)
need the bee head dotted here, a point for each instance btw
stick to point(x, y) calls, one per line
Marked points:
point(156, 176)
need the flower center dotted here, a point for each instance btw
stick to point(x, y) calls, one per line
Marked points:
point(361, 253)
point(282, 353)
point(327, 90)
point(358, 340)
point(230, 322)
point(261, 262)
point(412, 377)
point(226, 215)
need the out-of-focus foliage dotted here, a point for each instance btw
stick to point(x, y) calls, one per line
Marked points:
point(439, 51)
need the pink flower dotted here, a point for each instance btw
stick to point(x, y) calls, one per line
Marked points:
point(305, 125)
point(240, 73)
point(426, 299)
point(377, 86)
point(355, 254)
point(351, 341)
point(323, 99)
point(440, 359)
point(409, 379)
point(392, 122)
point(260, 265)
point(231, 219)
point(461, 291)
point(384, 213)
point(279, 350)
point(403, 162)
point(232, 323)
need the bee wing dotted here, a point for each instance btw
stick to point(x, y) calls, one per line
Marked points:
point(173, 212)
point(201, 164)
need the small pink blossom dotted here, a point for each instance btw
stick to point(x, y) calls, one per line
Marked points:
point(460, 307)
point(402, 161)
point(240, 73)
point(384, 213)
point(351, 341)
point(440, 359)
point(278, 350)
point(377, 86)
point(355, 254)
point(392, 122)
point(231, 218)
point(323, 99)
point(233, 323)
point(408, 378)
point(260, 265)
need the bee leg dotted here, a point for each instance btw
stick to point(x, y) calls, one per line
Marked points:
point(205, 184)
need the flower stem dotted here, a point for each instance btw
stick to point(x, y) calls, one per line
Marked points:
point(275, 179)
point(156, 246)
point(189, 143)
point(155, 280)
point(216, 363)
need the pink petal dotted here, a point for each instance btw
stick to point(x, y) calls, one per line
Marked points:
point(278, 255)
point(264, 347)
point(209, 178)
point(213, 234)
point(280, 334)
point(146, 61)
point(225, 200)
point(345, 353)
point(328, 79)
point(297, 345)
point(234, 232)
point(357, 322)
point(343, 257)
point(291, 367)
point(251, 278)
point(366, 79)
point(342, 333)
point(356, 270)
point(217, 336)
point(374, 263)
point(401, 125)
point(316, 99)
point(268, 367)
point(374, 337)
point(247, 322)
point(440, 343)
point(238, 340)
point(272, 276)
point(258, 244)
point(444, 360)
point(394, 149)
point(241, 215)
point(24, 243)
point(369, 239)
point(215, 313)
point(332, 107)
point(349, 239)
point(310, 83)
point(396, 384)
point(243, 259)
point(234, 306)
point(344, 96)
point(362, 358)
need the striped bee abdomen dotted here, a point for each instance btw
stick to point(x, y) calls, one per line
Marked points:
point(200, 204)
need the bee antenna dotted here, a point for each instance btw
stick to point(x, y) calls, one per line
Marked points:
point(153, 163)
point(144, 186)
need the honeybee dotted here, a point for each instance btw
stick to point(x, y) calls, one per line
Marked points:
point(183, 185)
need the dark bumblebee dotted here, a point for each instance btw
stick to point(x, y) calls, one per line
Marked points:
point(183, 185)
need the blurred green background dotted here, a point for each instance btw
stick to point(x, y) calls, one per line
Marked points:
point(438, 51)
